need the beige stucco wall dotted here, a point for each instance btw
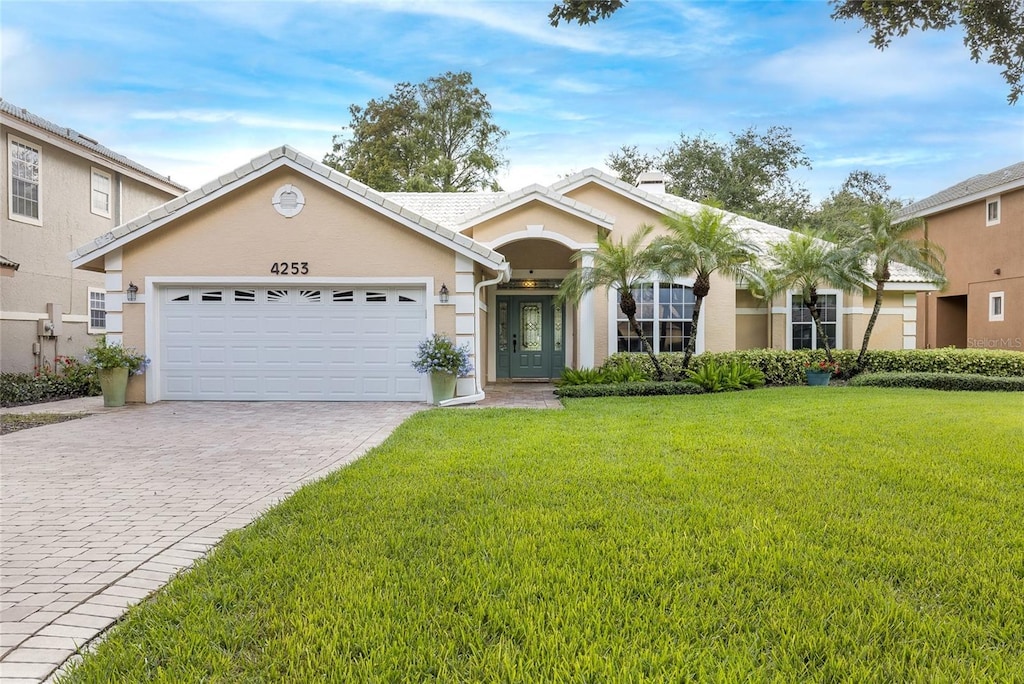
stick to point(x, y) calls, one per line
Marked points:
point(532, 214)
point(45, 274)
point(241, 235)
point(751, 321)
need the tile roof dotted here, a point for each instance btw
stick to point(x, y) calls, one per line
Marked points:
point(970, 190)
point(83, 141)
point(447, 208)
point(4, 261)
point(285, 155)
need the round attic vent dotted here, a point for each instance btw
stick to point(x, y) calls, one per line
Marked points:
point(288, 201)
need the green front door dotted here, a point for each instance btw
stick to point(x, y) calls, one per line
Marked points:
point(530, 335)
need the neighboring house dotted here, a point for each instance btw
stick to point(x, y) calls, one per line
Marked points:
point(60, 189)
point(980, 225)
point(287, 280)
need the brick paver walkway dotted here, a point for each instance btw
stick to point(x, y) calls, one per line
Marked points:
point(99, 512)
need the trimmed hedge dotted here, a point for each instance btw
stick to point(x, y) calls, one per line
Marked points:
point(627, 389)
point(782, 367)
point(26, 388)
point(954, 382)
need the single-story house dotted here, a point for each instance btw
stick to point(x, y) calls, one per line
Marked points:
point(287, 280)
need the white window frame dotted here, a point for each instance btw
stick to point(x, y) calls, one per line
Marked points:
point(996, 300)
point(814, 329)
point(95, 329)
point(34, 220)
point(613, 316)
point(93, 190)
point(998, 204)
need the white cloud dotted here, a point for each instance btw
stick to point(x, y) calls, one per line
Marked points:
point(851, 70)
point(237, 118)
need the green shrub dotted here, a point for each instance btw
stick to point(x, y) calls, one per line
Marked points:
point(70, 379)
point(624, 372)
point(781, 367)
point(957, 382)
point(627, 389)
point(712, 376)
point(583, 376)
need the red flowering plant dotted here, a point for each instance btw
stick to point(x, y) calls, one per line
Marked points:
point(822, 366)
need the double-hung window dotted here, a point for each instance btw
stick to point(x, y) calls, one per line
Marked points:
point(993, 211)
point(23, 192)
point(97, 310)
point(804, 332)
point(665, 314)
point(100, 193)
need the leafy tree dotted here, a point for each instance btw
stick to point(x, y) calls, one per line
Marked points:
point(882, 241)
point(806, 264)
point(992, 27)
point(434, 136)
point(840, 215)
point(703, 244)
point(583, 11)
point(624, 266)
point(749, 175)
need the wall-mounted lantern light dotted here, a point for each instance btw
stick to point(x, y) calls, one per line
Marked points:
point(443, 294)
point(133, 292)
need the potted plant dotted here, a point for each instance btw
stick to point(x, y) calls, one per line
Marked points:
point(819, 372)
point(113, 364)
point(438, 356)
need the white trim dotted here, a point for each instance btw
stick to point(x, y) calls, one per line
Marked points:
point(613, 316)
point(37, 220)
point(906, 287)
point(96, 330)
point(550, 235)
point(814, 329)
point(350, 189)
point(993, 297)
point(587, 321)
point(93, 172)
point(997, 201)
point(152, 308)
point(967, 199)
point(49, 138)
point(569, 206)
point(288, 212)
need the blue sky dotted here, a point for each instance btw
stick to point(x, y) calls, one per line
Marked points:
point(194, 89)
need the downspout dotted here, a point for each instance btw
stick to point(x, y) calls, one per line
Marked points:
point(478, 395)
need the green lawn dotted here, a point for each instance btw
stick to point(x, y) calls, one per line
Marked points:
point(822, 534)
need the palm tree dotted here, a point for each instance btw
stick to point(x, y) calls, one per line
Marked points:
point(883, 241)
point(623, 266)
point(806, 264)
point(703, 244)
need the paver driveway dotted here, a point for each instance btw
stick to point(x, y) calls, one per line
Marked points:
point(98, 512)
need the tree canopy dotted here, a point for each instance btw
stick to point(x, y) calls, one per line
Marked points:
point(749, 175)
point(433, 136)
point(991, 27)
point(839, 217)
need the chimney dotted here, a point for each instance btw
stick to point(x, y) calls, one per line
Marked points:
point(652, 182)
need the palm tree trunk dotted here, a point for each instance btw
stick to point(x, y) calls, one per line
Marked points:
point(879, 294)
point(691, 344)
point(822, 337)
point(647, 346)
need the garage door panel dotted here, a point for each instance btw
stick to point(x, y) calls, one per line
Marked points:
point(273, 343)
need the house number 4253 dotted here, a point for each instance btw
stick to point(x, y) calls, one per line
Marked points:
point(289, 267)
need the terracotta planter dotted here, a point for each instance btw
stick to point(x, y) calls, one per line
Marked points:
point(442, 387)
point(818, 378)
point(114, 383)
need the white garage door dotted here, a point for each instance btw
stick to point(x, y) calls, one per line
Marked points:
point(306, 343)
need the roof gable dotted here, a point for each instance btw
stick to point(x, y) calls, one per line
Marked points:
point(274, 159)
point(971, 190)
point(86, 143)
